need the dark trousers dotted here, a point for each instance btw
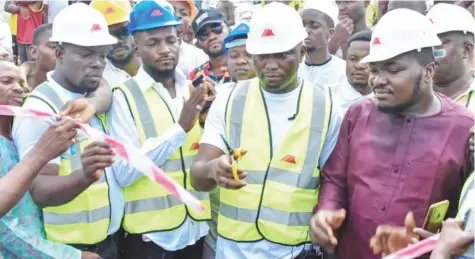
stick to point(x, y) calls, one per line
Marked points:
point(135, 248)
point(108, 248)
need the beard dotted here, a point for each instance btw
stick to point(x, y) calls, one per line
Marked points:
point(122, 62)
point(215, 54)
point(399, 108)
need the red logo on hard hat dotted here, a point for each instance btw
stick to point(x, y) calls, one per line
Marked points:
point(195, 146)
point(156, 13)
point(376, 41)
point(268, 33)
point(242, 28)
point(109, 10)
point(289, 159)
point(96, 27)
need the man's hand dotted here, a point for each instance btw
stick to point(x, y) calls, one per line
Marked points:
point(96, 157)
point(453, 240)
point(57, 139)
point(89, 255)
point(343, 30)
point(323, 226)
point(389, 239)
point(79, 109)
point(223, 173)
point(192, 107)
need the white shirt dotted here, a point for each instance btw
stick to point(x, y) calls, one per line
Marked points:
point(190, 58)
point(113, 75)
point(329, 73)
point(244, 12)
point(122, 127)
point(5, 40)
point(345, 95)
point(280, 107)
point(54, 7)
point(27, 131)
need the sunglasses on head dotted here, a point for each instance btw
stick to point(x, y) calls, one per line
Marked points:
point(204, 34)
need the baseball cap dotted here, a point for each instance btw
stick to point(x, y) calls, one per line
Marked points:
point(237, 37)
point(205, 17)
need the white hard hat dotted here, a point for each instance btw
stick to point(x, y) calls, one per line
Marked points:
point(275, 28)
point(400, 31)
point(328, 7)
point(451, 17)
point(81, 25)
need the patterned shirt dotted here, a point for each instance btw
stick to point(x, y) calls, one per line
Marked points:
point(205, 69)
point(21, 230)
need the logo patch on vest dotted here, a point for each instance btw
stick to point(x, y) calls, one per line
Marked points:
point(195, 146)
point(289, 159)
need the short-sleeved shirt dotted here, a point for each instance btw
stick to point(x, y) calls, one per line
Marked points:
point(26, 26)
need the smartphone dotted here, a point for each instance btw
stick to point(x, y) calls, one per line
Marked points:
point(435, 216)
point(198, 81)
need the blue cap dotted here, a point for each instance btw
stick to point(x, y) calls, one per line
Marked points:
point(148, 15)
point(237, 37)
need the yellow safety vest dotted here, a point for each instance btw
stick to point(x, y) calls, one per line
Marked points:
point(283, 185)
point(148, 206)
point(85, 219)
point(464, 202)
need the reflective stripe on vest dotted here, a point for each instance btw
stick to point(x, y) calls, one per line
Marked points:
point(85, 219)
point(145, 200)
point(282, 189)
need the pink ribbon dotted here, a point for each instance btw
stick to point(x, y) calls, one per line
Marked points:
point(415, 250)
point(129, 153)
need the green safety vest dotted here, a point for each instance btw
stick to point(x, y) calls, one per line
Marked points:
point(148, 206)
point(85, 219)
point(283, 185)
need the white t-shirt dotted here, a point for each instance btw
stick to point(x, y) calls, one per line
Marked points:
point(54, 7)
point(190, 58)
point(280, 107)
point(244, 11)
point(329, 73)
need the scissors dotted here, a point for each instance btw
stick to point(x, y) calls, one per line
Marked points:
point(233, 152)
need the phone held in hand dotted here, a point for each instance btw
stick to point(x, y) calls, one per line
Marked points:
point(435, 216)
point(198, 81)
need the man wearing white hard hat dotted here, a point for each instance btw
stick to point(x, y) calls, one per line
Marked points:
point(320, 67)
point(81, 201)
point(287, 126)
point(400, 151)
point(455, 28)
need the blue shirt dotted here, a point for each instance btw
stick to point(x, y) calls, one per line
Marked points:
point(21, 230)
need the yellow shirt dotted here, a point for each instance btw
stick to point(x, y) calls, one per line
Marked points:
point(372, 13)
point(13, 24)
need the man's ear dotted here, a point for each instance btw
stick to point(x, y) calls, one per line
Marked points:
point(468, 50)
point(33, 52)
point(59, 52)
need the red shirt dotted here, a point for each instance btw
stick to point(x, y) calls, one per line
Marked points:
point(26, 27)
point(385, 165)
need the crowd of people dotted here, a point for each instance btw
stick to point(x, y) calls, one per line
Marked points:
point(306, 128)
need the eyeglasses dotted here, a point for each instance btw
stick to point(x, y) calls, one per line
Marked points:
point(120, 33)
point(204, 34)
